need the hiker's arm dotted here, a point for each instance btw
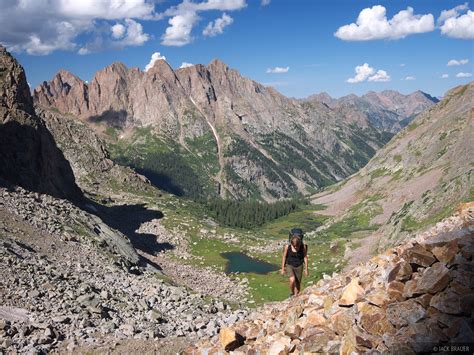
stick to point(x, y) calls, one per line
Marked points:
point(306, 259)
point(283, 259)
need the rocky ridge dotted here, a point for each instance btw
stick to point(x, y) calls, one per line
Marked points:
point(251, 140)
point(387, 110)
point(417, 178)
point(94, 171)
point(410, 299)
point(29, 156)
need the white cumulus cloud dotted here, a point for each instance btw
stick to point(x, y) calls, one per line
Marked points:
point(44, 26)
point(118, 30)
point(217, 26)
point(366, 72)
point(154, 57)
point(457, 22)
point(278, 70)
point(128, 33)
point(185, 65)
point(409, 78)
point(381, 75)
point(184, 16)
point(362, 73)
point(40, 27)
point(372, 23)
point(463, 75)
point(265, 2)
point(179, 32)
point(457, 62)
point(444, 76)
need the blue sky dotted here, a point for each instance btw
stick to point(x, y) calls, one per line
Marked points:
point(297, 36)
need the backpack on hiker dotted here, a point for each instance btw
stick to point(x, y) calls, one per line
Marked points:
point(295, 232)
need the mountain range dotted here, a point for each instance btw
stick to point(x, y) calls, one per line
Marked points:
point(418, 178)
point(387, 110)
point(206, 130)
point(94, 252)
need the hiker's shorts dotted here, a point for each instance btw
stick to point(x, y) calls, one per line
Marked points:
point(295, 271)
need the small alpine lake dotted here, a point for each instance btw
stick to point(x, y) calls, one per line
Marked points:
point(240, 262)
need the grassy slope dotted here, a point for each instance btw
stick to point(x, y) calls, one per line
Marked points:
point(419, 177)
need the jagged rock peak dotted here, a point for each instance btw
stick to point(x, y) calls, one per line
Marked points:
point(116, 67)
point(218, 65)
point(162, 68)
point(29, 155)
point(14, 88)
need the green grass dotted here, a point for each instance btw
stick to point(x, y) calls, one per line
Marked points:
point(379, 172)
point(357, 220)
point(304, 218)
point(397, 175)
point(412, 126)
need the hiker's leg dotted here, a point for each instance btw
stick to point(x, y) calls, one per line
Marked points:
point(292, 285)
point(297, 286)
point(298, 277)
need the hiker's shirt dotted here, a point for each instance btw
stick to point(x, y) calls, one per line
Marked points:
point(295, 259)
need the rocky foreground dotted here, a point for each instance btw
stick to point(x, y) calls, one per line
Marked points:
point(68, 283)
point(411, 299)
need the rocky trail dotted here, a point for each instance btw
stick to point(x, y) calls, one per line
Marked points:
point(411, 299)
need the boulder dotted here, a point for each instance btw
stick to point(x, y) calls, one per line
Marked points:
point(378, 298)
point(352, 293)
point(356, 341)
point(374, 320)
point(451, 302)
point(315, 319)
point(401, 271)
point(342, 320)
point(280, 346)
point(441, 239)
point(403, 313)
point(434, 279)
point(229, 339)
point(464, 277)
point(446, 253)
point(419, 256)
point(409, 288)
point(395, 290)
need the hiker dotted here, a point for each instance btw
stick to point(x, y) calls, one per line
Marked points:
point(295, 256)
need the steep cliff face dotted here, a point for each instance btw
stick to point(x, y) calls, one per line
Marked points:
point(419, 176)
point(29, 156)
point(387, 110)
point(94, 171)
point(237, 136)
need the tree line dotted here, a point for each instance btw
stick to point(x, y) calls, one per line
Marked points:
point(249, 214)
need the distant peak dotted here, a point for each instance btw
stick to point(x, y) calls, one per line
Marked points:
point(116, 67)
point(424, 94)
point(67, 75)
point(218, 63)
point(161, 67)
